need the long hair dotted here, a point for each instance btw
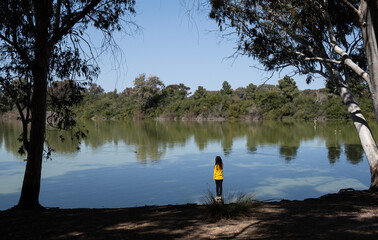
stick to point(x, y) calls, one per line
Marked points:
point(218, 161)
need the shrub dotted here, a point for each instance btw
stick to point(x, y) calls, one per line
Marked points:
point(233, 110)
point(234, 206)
point(335, 108)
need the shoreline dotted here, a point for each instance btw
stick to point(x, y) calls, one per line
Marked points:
point(343, 215)
point(13, 115)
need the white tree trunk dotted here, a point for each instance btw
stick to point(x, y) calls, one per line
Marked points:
point(368, 17)
point(362, 127)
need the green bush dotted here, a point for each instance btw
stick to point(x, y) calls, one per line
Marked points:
point(234, 110)
point(234, 206)
point(335, 108)
point(367, 108)
point(265, 101)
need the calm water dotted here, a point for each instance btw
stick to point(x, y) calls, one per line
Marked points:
point(125, 163)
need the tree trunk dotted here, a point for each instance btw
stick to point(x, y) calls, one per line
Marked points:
point(362, 127)
point(368, 11)
point(32, 179)
point(369, 27)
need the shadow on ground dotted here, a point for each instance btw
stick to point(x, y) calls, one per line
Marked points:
point(348, 215)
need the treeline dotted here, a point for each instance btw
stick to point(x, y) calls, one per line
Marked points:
point(150, 98)
point(151, 140)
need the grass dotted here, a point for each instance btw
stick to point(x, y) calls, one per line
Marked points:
point(235, 205)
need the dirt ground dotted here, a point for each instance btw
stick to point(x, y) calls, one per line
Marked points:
point(347, 215)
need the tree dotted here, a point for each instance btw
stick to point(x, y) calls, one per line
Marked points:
point(175, 93)
point(288, 87)
point(200, 93)
point(240, 92)
point(95, 89)
point(41, 42)
point(148, 91)
point(250, 91)
point(180, 90)
point(226, 88)
point(5, 103)
point(332, 39)
point(271, 100)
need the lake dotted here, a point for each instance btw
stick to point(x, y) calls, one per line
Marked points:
point(137, 163)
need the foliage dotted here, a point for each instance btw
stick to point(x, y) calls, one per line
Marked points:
point(62, 96)
point(335, 40)
point(47, 59)
point(200, 93)
point(334, 108)
point(174, 102)
point(306, 107)
point(148, 91)
point(313, 38)
point(288, 88)
point(251, 102)
point(288, 33)
point(44, 44)
point(234, 206)
point(152, 139)
point(250, 91)
point(226, 88)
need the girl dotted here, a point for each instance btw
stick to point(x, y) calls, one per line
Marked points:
point(218, 175)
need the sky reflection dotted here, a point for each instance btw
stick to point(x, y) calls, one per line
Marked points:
point(119, 169)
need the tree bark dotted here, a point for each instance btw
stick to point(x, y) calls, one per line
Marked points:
point(368, 17)
point(32, 179)
point(367, 14)
point(362, 127)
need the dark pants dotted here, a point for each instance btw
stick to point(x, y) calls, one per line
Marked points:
point(218, 184)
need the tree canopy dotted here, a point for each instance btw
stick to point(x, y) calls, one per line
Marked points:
point(44, 41)
point(335, 40)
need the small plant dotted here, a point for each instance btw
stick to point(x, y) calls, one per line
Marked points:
point(235, 205)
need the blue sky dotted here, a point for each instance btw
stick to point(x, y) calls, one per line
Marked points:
point(181, 48)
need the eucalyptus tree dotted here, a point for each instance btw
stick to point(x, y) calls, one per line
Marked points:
point(148, 91)
point(250, 91)
point(334, 39)
point(201, 92)
point(42, 41)
point(226, 88)
point(288, 87)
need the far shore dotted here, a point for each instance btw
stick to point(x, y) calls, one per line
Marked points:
point(13, 115)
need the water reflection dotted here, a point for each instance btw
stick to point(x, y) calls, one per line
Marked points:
point(117, 164)
point(334, 152)
point(289, 153)
point(151, 139)
point(354, 153)
point(9, 133)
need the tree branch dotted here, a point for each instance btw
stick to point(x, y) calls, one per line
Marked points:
point(57, 17)
point(320, 59)
point(321, 73)
point(348, 61)
point(22, 53)
point(338, 50)
point(67, 26)
point(355, 10)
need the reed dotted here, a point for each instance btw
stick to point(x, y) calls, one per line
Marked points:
point(233, 205)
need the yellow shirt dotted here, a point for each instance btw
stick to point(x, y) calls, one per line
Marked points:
point(218, 172)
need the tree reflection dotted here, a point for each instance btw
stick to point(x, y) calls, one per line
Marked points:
point(9, 134)
point(151, 139)
point(334, 152)
point(289, 153)
point(252, 149)
point(62, 141)
point(354, 153)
